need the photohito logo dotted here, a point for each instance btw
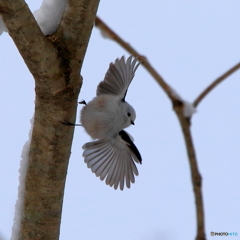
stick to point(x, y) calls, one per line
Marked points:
point(231, 234)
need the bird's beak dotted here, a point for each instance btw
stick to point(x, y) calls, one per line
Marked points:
point(132, 122)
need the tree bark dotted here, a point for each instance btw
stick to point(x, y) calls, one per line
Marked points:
point(55, 62)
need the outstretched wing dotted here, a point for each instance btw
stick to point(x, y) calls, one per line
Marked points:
point(112, 159)
point(118, 77)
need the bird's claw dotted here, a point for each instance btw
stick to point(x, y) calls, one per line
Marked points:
point(82, 102)
point(67, 123)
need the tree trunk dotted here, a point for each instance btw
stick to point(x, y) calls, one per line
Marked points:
point(55, 62)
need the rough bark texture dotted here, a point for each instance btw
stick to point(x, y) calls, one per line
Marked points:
point(55, 62)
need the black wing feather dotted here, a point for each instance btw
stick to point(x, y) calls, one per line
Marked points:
point(130, 144)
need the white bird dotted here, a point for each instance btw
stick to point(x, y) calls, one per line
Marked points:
point(113, 154)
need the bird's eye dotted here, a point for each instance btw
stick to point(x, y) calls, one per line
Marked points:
point(129, 114)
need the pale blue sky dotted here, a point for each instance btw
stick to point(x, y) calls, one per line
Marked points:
point(190, 43)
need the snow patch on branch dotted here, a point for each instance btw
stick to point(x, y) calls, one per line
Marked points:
point(188, 108)
point(48, 16)
point(2, 26)
point(21, 187)
point(105, 34)
point(175, 94)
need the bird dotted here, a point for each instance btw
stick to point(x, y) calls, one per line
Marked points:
point(112, 154)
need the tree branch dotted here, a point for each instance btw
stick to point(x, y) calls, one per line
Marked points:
point(178, 105)
point(75, 28)
point(215, 83)
point(144, 62)
point(37, 52)
point(195, 175)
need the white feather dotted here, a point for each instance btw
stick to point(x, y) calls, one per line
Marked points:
point(111, 159)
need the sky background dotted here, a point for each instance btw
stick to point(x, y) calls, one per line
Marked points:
point(190, 43)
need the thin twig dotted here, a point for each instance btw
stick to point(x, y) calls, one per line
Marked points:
point(185, 124)
point(195, 175)
point(215, 83)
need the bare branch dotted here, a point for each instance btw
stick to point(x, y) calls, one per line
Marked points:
point(112, 35)
point(184, 122)
point(215, 83)
point(195, 175)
